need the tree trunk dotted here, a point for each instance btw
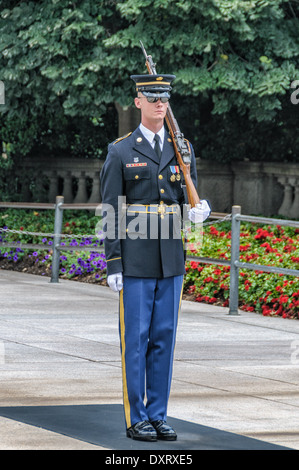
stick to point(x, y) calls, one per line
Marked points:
point(128, 119)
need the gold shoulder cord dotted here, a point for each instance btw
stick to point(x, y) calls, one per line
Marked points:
point(121, 138)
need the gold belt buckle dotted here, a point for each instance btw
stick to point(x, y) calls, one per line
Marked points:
point(162, 209)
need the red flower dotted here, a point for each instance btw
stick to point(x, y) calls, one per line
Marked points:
point(194, 264)
point(288, 248)
point(266, 310)
point(283, 299)
point(252, 256)
point(269, 249)
point(217, 272)
point(261, 233)
point(245, 247)
point(213, 231)
point(247, 308)
point(224, 287)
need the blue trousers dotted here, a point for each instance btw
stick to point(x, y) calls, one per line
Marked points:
point(149, 311)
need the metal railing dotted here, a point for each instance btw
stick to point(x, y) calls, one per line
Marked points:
point(58, 208)
point(235, 264)
point(234, 261)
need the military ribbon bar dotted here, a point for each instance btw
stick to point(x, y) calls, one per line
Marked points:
point(174, 169)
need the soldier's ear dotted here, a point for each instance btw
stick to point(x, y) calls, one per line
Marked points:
point(137, 102)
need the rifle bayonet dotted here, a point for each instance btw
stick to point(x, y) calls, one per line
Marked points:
point(181, 146)
point(151, 66)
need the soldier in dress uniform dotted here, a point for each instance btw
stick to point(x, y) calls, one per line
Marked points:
point(145, 255)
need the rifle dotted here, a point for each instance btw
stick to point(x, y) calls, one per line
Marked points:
point(181, 146)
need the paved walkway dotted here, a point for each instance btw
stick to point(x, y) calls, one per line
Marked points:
point(235, 383)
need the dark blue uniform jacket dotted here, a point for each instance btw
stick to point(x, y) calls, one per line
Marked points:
point(134, 245)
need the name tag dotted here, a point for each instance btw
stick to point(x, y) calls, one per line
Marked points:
point(134, 165)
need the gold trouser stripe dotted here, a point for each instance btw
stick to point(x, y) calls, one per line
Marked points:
point(181, 296)
point(123, 350)
point(180, 304)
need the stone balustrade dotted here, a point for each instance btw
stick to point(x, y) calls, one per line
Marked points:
point(260, 188)
point(78, 180)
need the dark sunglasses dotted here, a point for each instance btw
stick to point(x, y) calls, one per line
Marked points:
point(154, 99)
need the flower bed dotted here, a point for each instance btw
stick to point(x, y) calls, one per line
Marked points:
point(76, 264)
point(266, 293)
point(269, 294)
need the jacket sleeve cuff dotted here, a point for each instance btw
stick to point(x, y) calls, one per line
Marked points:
point(114, 265)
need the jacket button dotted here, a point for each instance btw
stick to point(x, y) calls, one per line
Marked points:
point(162, 191)
point(160, 177)
point(136, 177)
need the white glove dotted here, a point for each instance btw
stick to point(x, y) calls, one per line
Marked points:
point(115, 282)
point(200, 212)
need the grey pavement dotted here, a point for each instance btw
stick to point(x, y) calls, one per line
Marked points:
point(235, 382)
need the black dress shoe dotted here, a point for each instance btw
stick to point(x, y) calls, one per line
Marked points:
point(164, 431)
point(142, 431)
